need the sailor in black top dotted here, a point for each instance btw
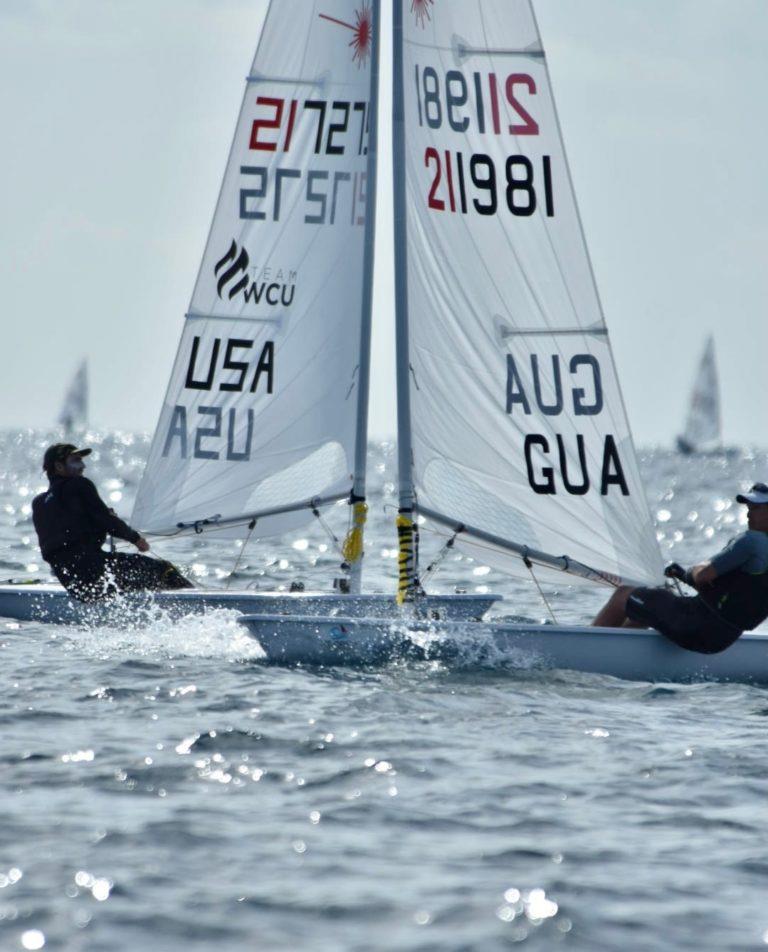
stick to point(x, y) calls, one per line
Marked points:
point(72, 523)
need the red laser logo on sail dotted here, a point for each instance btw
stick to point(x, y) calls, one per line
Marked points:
point(421, 9)
point(363, 30)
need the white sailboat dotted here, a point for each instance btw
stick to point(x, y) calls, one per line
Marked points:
point(265, 418)
point(511, 425)
point(73, 416)
point(703, 427)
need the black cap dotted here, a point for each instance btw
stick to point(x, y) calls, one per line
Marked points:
point(58, 453)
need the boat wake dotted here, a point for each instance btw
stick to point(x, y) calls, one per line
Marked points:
point(156, 634)
point(469, 647)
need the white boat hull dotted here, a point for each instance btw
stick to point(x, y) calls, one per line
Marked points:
point(50, 603)
point(632, 654)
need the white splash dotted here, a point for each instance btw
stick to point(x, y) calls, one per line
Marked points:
point(214, 633)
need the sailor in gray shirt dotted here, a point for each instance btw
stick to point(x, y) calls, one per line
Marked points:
point(748, 552)
point(732, 591)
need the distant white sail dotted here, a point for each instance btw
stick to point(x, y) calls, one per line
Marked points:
point(73, 415)
point(518, 429)
point(702, 426)
point(260, 413)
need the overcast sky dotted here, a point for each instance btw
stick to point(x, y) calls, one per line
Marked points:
point(117, 117)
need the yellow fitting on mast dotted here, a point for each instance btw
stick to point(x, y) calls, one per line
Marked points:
point(352, 549)
point(406, 535)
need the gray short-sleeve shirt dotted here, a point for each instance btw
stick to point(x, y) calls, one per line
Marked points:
point(747, 552)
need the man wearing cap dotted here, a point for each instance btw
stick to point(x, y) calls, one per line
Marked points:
point(732, 587)
point(72, 523)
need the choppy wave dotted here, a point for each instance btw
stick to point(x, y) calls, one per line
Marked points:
point(164, 789)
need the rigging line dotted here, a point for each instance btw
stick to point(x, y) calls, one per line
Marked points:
point(433, 566)
point(529, 565)
point(331, 534)
point(236, 566)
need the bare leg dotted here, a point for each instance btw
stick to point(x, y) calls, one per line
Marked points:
point(614, 613)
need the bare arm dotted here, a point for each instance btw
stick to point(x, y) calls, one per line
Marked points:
point(703, 575)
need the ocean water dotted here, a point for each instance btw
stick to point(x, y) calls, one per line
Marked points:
point(163, 789)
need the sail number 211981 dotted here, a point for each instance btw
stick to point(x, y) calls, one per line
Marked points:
point(474, 105)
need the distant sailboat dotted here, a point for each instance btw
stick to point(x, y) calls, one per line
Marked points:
point(73, 416)
point(703, 428)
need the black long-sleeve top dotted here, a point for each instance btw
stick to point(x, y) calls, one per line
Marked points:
point(71, 513)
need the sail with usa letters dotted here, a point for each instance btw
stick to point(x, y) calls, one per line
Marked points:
point(263, 406)
point(512, 427)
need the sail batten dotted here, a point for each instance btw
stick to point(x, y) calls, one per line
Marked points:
point(286, 80)
point(517, 425)
point(193, 316)
point(551, 331)
point(264, 402)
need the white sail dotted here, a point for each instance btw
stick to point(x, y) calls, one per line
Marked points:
point(517, 425)
point(74, 410)
point(702, 425)
point(261, 410)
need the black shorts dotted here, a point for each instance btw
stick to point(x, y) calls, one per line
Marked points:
point(90, 574)
point(684, 619)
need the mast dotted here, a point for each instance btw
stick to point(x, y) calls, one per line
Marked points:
point(408, 557)
point(355, 552)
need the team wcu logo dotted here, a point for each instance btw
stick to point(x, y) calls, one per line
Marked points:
point(276, 288)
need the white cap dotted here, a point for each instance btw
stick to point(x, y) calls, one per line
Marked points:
point(757, 495)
